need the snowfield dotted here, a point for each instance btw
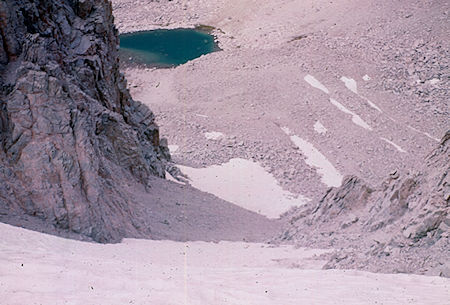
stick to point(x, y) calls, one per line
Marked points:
point(246, 184)
point(36, 268)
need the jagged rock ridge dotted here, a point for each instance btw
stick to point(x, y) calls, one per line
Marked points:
point(71, 136)
point(403, 225)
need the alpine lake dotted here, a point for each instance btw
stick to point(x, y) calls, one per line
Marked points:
point(165, 48)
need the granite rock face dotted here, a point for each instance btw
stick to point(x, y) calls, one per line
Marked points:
point(71, 137)
point(403, 225)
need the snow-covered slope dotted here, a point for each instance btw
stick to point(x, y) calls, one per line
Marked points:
point(41, 269)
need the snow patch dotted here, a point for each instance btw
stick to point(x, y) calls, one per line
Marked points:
point(286, 130)
point(366, 78)
point(355, 118)
point(329, 174)
point(171, 178)
point(350, 83)
point(214, 135)
point(395, 145)
point(373, 105)
point(424, 133)
point(246, 184)
point(433, 81)
point(173, 148)
point(319, 128)
point(315, 83)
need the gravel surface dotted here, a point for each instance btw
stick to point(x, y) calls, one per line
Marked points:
point(312, 90)
point(395, 52)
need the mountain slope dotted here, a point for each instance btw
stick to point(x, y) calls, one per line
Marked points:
point(71, 134)
point(78, 156)
point(402, 225)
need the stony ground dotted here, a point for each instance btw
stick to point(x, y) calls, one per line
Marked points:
point(401, 225)
point(78, 156)
point(312, 91)
point(363, 83)
point(396, 53)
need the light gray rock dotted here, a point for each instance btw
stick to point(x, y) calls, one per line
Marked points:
point(401, 225)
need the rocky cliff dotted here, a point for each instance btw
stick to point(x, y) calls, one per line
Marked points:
point(403, 225)
point(71, 137)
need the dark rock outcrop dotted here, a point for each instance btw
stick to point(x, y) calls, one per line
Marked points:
point(71, 136)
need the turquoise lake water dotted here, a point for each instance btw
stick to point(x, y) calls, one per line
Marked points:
point(166, 48)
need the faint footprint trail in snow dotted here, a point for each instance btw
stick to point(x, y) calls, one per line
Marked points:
point(218, 273)
point(355, 118)
point(395, 145)
point(351, 85)
point(315, 83)
point(329, 174)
